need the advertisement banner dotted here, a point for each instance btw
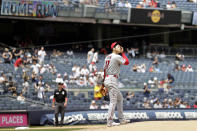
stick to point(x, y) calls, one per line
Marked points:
point(100, 117)
point(13, 120)
point(194, 20)
point(155, 16)
point(35, 8)
point(186, 17)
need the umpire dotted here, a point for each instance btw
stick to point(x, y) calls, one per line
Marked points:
point(60, 98)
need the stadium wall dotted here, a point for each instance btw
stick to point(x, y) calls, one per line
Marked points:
point(46, 117)
point(14, 118)
point(40, 9)
point(100, 117)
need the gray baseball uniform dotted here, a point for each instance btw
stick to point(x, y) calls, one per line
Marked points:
point(112, 70)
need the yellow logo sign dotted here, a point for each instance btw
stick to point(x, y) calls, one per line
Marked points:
point(155, 16)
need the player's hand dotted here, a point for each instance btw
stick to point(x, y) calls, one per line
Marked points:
point(53, 106)
point(65, 104)
point(121, 49)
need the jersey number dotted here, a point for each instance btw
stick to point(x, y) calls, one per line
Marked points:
point(107, 62)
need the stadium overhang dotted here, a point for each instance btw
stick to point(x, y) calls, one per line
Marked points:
point(90, 21)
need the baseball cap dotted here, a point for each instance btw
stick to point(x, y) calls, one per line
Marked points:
point(113, 44)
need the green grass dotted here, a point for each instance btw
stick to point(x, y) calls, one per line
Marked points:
point(52, 128)
point(32, 129)
point(44, 129)
point(73, 129)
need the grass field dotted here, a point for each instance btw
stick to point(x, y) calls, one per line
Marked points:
point(52, 128)
point(43, 129)
point(74, 129)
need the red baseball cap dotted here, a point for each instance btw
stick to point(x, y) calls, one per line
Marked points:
point(113, 44)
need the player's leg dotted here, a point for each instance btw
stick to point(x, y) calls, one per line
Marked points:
point(120, 105)
point(113, 100)
point(57, 108)
point(120, 108)
point(62, 113)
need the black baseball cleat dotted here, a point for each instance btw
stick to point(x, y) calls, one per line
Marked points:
point(61, 124)
point(56, 124)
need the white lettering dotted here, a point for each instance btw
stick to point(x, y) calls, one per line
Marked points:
point(78, 117)
point(12, 120)
point(3, 120)
point(15, 119)
point(190, 115)
point(72, 118)
point(21, 119)
point(98, 116)
point(9, 120)
point(136, 115)
point(168, 115)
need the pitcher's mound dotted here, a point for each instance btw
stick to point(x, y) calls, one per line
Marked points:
point(152, 126)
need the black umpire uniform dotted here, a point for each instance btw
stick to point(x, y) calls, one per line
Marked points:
point(60, 98)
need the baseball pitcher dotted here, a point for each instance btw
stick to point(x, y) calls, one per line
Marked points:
point(111, 73)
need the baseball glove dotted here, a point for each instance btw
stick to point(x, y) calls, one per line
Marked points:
point(104, 91)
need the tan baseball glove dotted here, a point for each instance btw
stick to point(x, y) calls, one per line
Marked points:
point(103, 91)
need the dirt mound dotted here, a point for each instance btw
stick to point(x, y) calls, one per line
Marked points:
point(151, 126)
